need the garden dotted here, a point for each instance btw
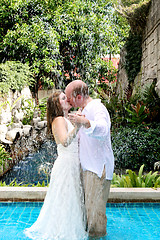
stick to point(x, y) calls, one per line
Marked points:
point(47, 44)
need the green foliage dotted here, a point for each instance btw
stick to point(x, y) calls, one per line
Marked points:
point(137, 114)
point(4, 158)
point(42, 106)
point(28, 107)
point(58, 37)
point(35, 44)
point(22, 184)
point(15, 11)
point(90, 28)
point(133, 57)
point(104, 70)
point(134, 146)
point(15, 76)
point(116, 108)
point(135, 11)
point(2, 106)
point(143, 107)
point(131, 179)
point(152, 102)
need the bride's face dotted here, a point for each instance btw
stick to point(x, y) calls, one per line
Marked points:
point(64, 103)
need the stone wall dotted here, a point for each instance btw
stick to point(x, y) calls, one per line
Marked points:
point(19, 139)
point(151, 47)
point(150, 65)
point(12, 105)
point(44, 93)
point(122, 78)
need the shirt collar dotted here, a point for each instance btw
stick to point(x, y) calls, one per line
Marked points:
point(87, 107)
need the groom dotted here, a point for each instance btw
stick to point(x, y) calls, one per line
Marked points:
point(96, 155)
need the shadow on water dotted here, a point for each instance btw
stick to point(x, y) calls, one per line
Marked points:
point(35, 167)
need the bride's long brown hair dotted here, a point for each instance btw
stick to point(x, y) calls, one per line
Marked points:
point(54, 109)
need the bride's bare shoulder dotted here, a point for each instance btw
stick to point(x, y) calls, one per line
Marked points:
point(59, 118)
point(59, 121)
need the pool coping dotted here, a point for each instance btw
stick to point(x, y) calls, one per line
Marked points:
point(37, 194)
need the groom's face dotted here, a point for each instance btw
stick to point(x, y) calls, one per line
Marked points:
point(73, 101)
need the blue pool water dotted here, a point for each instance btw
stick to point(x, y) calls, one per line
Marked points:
point(126, 221)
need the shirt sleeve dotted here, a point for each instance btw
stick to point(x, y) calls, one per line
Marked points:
point(100, 125)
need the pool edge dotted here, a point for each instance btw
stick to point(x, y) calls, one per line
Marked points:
point(36, 194)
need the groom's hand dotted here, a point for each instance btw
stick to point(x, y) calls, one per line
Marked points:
point(79, 119)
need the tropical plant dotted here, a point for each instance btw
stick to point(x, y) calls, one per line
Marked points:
point(131, 179)
point(103, 70)
point(4, 158)
point(137, 114)
point(14, 183)
point(152, 101)
point(42, 106)
point(28, 108)
point(116, 108)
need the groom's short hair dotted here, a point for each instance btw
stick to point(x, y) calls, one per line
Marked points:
point(80, 88)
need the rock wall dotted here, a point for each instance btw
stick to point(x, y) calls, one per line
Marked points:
point(19, 139)
point(151, 47)
point(10, 105)
point(122, 78)
point(150, 64)
point(44, 93)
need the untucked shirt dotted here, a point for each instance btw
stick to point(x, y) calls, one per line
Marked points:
point(95, 142)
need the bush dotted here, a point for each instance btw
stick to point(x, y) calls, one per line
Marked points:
point(42, 106)
point(131, 179)
point(29, 107)
point(14, 76)
point(4, 158)
point(134, 146)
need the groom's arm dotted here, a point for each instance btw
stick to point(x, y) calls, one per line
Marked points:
point(100, 125)
point(79, 119)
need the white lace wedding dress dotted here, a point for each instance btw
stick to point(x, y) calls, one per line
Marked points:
point(62, 215)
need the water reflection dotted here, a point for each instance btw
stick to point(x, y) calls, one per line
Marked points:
point(35, 167)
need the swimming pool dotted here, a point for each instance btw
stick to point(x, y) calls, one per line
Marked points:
point(126, 221)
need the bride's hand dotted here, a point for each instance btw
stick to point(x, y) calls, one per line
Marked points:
point(79, 120)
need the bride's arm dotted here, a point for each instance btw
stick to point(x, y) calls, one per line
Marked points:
point(60, 131)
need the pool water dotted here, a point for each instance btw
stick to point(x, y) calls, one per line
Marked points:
point(126, 221)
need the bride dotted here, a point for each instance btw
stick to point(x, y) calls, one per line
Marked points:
point(62, 216)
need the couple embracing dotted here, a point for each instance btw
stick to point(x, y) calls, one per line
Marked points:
point(75, 204)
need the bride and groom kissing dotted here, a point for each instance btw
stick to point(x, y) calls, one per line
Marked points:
point(75, 204)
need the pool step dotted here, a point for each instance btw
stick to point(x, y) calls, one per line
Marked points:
point(37, 194)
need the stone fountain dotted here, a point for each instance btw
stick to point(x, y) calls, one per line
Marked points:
point(19, 139)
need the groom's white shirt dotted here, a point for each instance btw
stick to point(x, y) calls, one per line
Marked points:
point(95, 142)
